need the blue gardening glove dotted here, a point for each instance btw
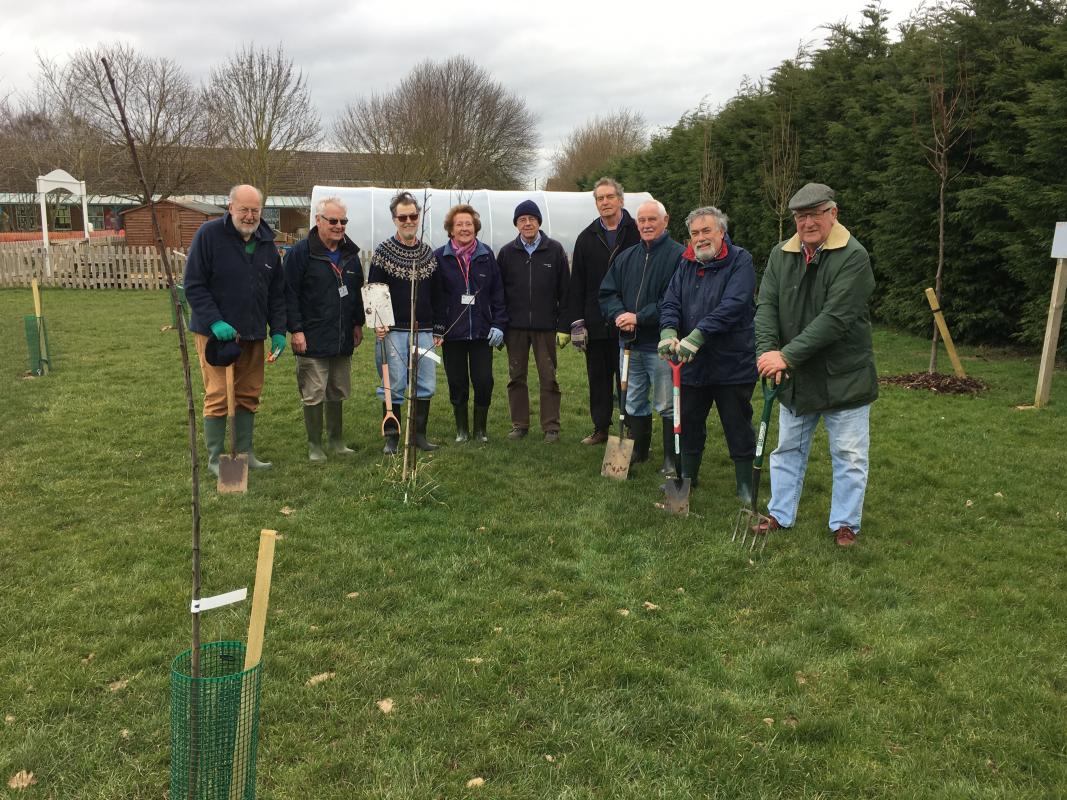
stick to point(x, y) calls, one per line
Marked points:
point(668, 343)
point(687, 348)
point(579, 334)
point(563, 339)
point(277, 344)
point(223, 331)
point(496, 337)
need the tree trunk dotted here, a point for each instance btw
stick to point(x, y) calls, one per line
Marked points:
point(940, 261)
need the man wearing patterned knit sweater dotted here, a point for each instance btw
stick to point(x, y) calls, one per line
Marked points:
point(394, 263)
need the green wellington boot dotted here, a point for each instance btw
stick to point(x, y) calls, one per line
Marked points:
point(481, 421)
point(422, 417)
point(313, 423)
point(743, 472)
point(463, 433)
point(215, 439)
point(334, 441)
point(245, 423)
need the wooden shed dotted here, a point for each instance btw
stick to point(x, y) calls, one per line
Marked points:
point(179, 220)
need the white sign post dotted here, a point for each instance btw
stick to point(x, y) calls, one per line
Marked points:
point(1055, 316)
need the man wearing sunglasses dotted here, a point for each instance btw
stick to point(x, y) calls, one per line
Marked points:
point(236, 292)
point(403, 261)
point(323, 277)
point(813, 330)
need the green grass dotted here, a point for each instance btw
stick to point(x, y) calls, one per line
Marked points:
point(926, 662)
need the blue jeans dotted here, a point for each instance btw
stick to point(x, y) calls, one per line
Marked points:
point(395, 345)
point(648, 371)
point(848, 432)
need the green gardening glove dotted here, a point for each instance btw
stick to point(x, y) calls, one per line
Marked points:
point(223, 331)
point(687, 348)
point(277, 344)
point(668, 343)
point(563, 339)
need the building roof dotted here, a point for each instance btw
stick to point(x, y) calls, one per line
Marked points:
point(193, 204)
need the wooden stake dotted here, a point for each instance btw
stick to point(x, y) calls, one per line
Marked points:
point(1052, 334)
point(942, 326)
point(257, 624)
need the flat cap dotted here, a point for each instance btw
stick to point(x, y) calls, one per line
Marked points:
point(811, 195)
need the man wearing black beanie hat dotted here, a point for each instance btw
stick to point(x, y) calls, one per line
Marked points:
point(535, 272)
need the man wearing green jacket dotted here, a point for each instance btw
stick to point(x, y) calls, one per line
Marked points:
point(813, 331)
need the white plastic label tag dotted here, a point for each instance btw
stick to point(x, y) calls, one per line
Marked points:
point(219, 600)
point(467, 299)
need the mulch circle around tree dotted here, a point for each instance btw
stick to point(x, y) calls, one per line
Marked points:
point(935, 382)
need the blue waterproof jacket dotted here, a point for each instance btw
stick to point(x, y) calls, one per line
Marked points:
point(454, 320)
point(223, 282)
point(719, 298)
point(314, 305)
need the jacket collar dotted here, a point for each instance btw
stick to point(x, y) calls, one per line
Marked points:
point(263, 232)
point(317, 248)
point(597, 226)
point(657, 242)
point(837, 239)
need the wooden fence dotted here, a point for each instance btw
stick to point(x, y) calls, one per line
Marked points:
point(87, 265)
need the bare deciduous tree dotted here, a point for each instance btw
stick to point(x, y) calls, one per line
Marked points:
point(589, 148)
point(781, 164)
point(951, 103)
point(261, 115)
point(161, 102)
point(447, 124)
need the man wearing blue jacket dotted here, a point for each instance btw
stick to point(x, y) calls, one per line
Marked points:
point(710, 302)
point(630, 296)
point(323, 277)
point(236, 291)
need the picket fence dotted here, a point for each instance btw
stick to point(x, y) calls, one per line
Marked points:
point(87, 265)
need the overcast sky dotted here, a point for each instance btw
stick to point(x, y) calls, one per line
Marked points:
point(566, 58)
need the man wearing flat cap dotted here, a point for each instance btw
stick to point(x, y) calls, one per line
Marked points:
point(813, 334)
point(535, 273)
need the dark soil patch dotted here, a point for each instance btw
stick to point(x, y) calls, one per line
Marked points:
point(935, 382)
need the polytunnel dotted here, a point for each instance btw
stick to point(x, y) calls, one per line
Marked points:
point(564, 214)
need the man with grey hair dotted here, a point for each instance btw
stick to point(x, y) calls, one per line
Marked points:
point(710, 302)
point(236, 292)
point(813, 328)
point(594, 251)
point(630, 296)
point(323, 277)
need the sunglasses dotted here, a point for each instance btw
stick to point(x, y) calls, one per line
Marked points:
point(406, 217)
point(335, 220)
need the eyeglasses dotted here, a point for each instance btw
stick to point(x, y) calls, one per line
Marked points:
point(812, 216)
point(406, 217)
point(244, 211)
point(334, 220)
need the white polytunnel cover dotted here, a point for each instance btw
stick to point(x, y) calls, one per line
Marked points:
point(563, 214)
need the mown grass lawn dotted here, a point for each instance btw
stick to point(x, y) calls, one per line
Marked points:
point(927, 661)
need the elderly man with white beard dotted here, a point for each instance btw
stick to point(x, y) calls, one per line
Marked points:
point(710, 303)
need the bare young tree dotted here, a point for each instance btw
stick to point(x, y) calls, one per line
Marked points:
point(447, 124)
point(781, 164)
point(951, 104)
point(712, 175)
point(261, 115)
point(589, 148)
point(161, 102)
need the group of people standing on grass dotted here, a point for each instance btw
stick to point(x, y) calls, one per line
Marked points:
point(631, 289)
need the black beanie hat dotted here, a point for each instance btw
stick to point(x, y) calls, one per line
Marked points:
point(526, 208)
point(221, 354)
